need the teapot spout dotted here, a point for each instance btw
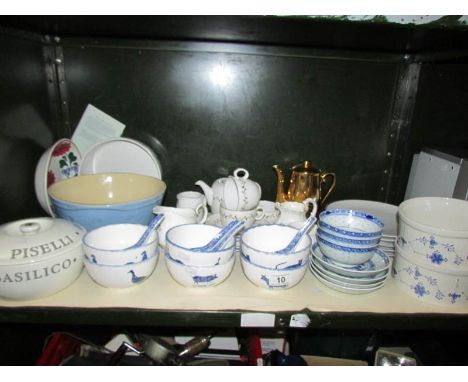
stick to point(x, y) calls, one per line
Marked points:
point(207, 190)
point(280, 194)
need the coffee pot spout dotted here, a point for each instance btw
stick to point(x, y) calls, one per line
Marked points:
point(281, 195)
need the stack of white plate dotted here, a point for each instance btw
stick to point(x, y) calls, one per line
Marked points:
point(385, 212)
point(353, 279)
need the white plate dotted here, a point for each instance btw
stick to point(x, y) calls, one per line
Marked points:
point(121, 155)
point(375, 279)
point(343, 289)
point(380, 262)
point(385, 212)
point(316, 270)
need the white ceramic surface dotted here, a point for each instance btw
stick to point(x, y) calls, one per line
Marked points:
point(121, 276)
point(108, 245)
point(295, 211)
point(240, 192)
point(316, 270)
point(343, 289)
point(379, 263)
point(199, 276)
point(345, 255)
point(248, 217)
point(180, 240)
point(259, 243)
point(121, 155)
point(375, 279)
point(174, 216)
point(270, 210)
point(435, 231)
point(426, 284)
point(214, 219)
point(60, 161)
point(351, 223)
point(39, 257)
point(190, 199)
point(273, 278)
point(387, 213)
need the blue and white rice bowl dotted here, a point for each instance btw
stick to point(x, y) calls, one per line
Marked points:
point(259, 243)
point(180, 239)
point(346, 242)
point(351, 224)
point(109, 245)
point(269, 278)
point(199, 276)
point(121, 276)
point(380, 262)
point(421, 281)
point(345, 255)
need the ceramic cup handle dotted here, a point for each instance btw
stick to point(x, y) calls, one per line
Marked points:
point(259, 214)
point(309, 201)
point(238, 170)
point(204, 215)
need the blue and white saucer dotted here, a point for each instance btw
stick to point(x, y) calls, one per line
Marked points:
point(379, 263)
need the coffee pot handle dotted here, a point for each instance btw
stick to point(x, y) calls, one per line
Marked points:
point(323, 177)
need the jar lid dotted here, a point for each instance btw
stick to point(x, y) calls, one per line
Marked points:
point(32, 240)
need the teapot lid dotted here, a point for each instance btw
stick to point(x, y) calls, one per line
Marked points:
point(305, 166)
point(31, 240)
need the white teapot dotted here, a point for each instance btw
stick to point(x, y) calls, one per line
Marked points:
point(295, 211)
point(236, 192)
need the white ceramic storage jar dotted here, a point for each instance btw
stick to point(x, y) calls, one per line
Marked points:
point(434, 232)
point(39, 257)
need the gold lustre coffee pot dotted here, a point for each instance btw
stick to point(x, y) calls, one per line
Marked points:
point(306, 182)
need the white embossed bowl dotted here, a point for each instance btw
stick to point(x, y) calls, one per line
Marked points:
point(435, 231)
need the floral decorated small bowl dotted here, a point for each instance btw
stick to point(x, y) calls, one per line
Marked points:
point(59, 162)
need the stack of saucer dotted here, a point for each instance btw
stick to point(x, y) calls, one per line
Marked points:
point(352, 279)
point(387, 213)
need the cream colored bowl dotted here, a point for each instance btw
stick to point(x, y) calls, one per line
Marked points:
point(101, 199)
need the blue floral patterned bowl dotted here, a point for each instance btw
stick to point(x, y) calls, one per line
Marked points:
point(103, 199)
point(425, 283)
